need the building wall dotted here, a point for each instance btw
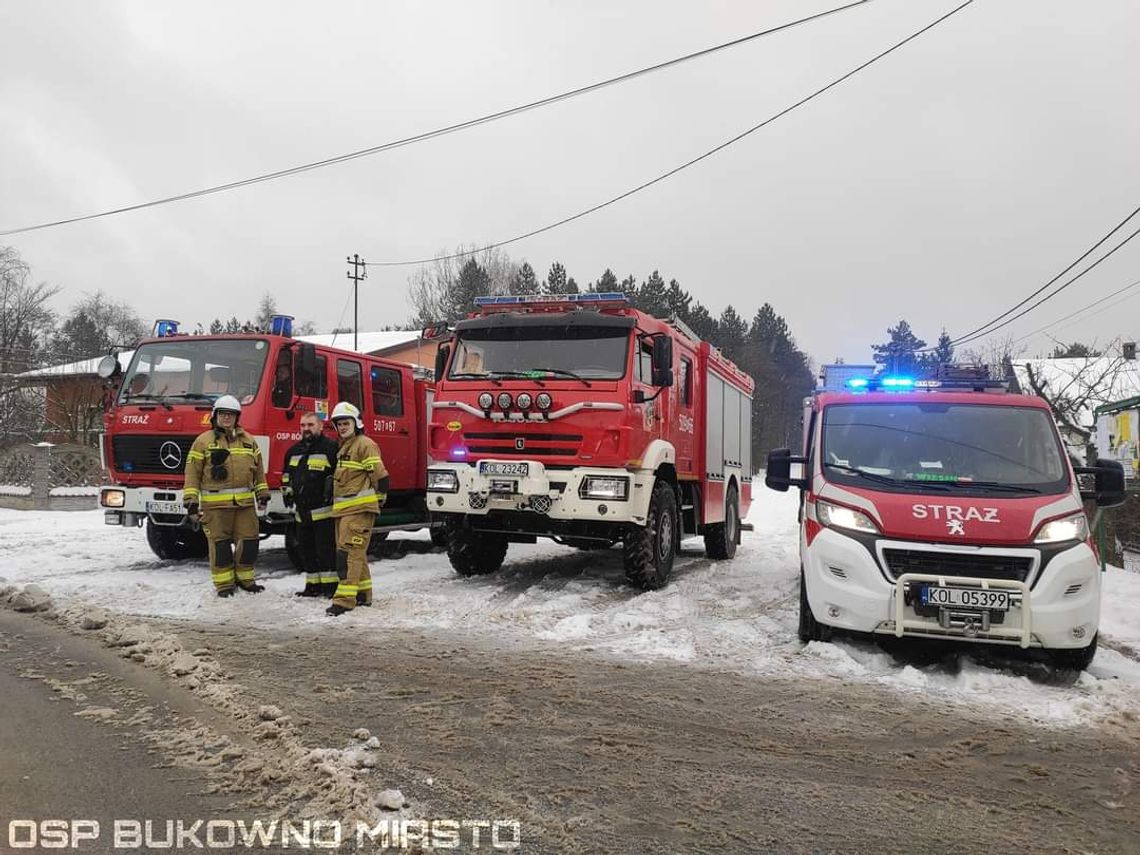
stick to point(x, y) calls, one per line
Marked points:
point(73, 409)
point(415, 352)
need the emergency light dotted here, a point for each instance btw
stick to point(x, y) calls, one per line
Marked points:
point(281, 325)
point(539, 299)
point(164, 328)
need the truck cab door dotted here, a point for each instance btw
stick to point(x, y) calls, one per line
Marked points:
point(390, 419)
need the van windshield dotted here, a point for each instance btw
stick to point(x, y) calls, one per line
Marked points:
point(930, 447)
point(592, 353)
point(188, 369)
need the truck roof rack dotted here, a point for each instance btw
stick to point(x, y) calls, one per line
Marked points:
point(683, 328)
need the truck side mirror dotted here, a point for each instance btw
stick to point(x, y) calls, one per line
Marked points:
point(308, 359)
point(662, 361)
point(1109, 484)
point(779, 472)
point(441, 361)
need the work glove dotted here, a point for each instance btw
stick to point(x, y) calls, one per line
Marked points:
point(262, 502)
point(191, 509)
point(287, 497)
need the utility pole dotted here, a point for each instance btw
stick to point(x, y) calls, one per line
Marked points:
point(359, 271)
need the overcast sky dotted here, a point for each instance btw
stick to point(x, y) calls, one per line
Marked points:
point(941, 185)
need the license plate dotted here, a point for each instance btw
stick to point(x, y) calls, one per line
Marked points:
point(518, 470)
point(164, 508)
point(965, 598)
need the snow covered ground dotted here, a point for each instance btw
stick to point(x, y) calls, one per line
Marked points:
point(738, 616)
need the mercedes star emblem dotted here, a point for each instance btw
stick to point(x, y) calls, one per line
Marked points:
point(170, 455)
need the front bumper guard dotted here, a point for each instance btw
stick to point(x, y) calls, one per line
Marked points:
point(964, 623)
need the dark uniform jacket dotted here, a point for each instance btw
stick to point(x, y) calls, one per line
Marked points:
point(308, 472)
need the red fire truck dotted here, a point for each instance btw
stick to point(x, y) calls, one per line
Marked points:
point(945, 507)
point(584, 420)
point(163, 400)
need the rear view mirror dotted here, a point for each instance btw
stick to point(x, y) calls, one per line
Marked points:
point(441, 361)
point(434, 331)
point(1109, 490)
point(662, 361)
point(308, 365)
point(218, 374)
point(779, 473)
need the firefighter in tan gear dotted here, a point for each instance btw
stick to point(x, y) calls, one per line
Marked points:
point(225, 477)
point(360, 487)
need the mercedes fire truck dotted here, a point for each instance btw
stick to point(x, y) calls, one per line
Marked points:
point(581, 419)
point(162, 401)
point(945, 507)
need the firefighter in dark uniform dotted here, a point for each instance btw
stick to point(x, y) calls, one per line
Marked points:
point(225, 478)
point(360, 488)
point(307, 485)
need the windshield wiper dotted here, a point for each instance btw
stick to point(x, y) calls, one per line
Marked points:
point(192, 396)
point(462, 375)
point(883, 479)
point(993, 485)
point(158, 399)
point(561, 372)
point(524, 375)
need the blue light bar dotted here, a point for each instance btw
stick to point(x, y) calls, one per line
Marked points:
point(282, 325)
point(164, 327)
point(858, 382)
point(897, 382)
point(539, 299)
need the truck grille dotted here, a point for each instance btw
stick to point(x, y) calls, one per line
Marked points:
point(138, 453)
point(534, 445)
point(1009, 567)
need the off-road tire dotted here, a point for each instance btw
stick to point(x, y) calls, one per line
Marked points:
point(475, 553)
point(173, 543)
point(650, 550)
point(1077, 659)
point(720, 538)
point(810, 629)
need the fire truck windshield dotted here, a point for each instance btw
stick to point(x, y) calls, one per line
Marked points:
point(579, 352)
point(189, 369)
point(931, 447)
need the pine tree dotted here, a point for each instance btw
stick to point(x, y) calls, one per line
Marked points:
point(524, 281)
point(556, 281)
point(732, 334)
point(473, 282)
point(217, 327)
point(898, 354)
point(653, 296)
point(606, 283)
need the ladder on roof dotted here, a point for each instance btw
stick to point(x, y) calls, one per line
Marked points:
point(683, 328)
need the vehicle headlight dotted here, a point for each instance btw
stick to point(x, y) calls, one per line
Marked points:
point(615, 489)
point(442, 481)
point(1074, 527)
point(486, 400)
point(505, 400)
point(524, 401)
point(837, 516)
point(544, 401)
point(112, 498)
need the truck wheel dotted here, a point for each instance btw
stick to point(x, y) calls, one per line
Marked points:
point(475, 553)
point(720, 538)
point(293, 550)
point(810, 629)
point(1074, 660)
point(649, 551)
point(172, 543)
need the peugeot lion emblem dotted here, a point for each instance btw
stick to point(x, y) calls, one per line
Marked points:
point(170, 455)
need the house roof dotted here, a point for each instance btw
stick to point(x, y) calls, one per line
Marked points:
point(368, 342)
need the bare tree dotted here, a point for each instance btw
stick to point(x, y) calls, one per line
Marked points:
point(26, 323)
point(435, 290)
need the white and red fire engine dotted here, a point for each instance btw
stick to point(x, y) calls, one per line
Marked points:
point(944, 507)
point(163, 400)
point(581, 419)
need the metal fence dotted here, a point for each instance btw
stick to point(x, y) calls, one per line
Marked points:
point(44, 476)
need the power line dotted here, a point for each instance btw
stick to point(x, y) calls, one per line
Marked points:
point(439, 132)
point(974, 333)
point(1050, 296)
point(1084, 309)
point(683, 166)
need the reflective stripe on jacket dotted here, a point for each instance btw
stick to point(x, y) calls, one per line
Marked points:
point(359, 479)
point(243, 472)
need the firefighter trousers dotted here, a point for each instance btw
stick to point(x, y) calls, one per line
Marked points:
point(353, 532)
point(318, 549)
point(232, 535)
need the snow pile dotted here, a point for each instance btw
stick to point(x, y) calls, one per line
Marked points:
point(738, 615)
point(74, 491)
point(14, 490)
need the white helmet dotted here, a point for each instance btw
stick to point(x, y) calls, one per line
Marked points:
point(345, 410)
point(226, 404)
